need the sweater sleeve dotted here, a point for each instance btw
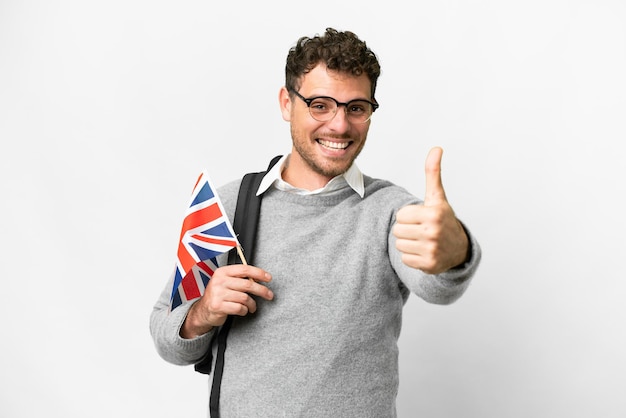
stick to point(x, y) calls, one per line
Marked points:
point(444, 288)
point(165, 330)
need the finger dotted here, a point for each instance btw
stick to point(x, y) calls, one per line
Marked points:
point(245, 301)
point(229, 301)
point(407, 214)
point(239, 309)
point(252, 287)
point(435, 193)
point(408, 246)
point(405, 231)
point(413, 214)
point(246, 271)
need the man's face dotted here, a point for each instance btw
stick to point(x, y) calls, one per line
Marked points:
point(323, 150)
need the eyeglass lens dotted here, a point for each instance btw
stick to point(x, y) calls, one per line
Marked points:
point(324, 109)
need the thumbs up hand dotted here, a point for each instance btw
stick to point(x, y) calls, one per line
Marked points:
point(429, 236)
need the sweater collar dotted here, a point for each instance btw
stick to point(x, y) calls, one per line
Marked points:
point(352, 178)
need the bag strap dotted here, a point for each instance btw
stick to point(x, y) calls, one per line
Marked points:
point(247, 213)
point(245, 226)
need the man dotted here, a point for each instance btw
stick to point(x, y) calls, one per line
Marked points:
point(337, 255)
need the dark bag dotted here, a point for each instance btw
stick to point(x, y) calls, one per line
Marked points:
point(245, 225)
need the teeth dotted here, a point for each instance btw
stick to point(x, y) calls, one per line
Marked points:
point(334, 145)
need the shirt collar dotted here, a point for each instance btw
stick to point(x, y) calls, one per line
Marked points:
point(352, 178)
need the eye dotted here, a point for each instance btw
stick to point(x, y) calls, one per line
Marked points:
point(358, 107)
point(322, 105)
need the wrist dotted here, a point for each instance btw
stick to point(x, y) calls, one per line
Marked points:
point(193, 326)
point(466, 250)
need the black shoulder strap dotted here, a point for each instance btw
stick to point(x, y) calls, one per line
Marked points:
point(245, 226)
point(247, 213)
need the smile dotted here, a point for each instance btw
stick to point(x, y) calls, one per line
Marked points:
point(333, 145)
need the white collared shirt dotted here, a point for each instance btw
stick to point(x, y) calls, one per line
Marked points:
point(352, 178)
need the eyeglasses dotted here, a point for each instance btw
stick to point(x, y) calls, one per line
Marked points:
point(324, 108)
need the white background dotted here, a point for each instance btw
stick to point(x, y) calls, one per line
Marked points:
point(109, 110)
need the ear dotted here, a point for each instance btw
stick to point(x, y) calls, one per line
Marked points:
point(285, 103)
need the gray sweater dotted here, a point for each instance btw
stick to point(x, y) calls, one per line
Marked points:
point(326, 346)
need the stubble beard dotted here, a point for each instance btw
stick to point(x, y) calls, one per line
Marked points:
point(310, 158)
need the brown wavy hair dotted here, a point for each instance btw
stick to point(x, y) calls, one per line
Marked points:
point(339, 51)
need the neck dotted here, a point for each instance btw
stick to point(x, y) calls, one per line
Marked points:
point(298, 174)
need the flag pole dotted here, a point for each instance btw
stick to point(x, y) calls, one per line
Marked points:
point(240, 252)
point(242, 257)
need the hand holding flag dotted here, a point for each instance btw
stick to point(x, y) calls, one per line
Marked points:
point(205, 234)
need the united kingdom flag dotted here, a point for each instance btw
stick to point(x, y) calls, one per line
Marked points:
point(206, 233)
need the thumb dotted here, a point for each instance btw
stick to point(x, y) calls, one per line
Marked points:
point(434, 188)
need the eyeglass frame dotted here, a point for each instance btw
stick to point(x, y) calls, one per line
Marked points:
point(310, 100)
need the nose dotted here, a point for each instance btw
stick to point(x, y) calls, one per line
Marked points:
point(340, 122)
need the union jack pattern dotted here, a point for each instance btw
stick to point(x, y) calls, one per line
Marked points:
point(205, 234)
